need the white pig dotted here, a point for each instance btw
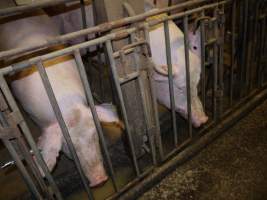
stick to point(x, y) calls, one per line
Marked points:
point(158, 49)
point(67, 86)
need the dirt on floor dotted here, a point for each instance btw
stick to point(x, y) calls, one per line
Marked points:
point(234, 167)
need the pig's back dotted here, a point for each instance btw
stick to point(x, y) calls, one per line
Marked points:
point(20, 31)
point(63, 76)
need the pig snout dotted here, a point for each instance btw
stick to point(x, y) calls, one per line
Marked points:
point(97, 176)
point(198, 115)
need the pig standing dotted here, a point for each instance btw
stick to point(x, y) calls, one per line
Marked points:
point(67, 86)
point(158, 50)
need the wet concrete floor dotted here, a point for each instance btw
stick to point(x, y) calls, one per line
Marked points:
point(234, 167)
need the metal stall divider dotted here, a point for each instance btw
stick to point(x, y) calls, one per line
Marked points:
point(22, 124)
point(152, 122)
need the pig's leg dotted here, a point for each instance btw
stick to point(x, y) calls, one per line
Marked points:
point(50, 143)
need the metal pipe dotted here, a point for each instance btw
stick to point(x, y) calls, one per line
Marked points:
point(203, 59)
point(122, 104)
point(170, 79)
point(32, 6)
point(115, 24)
point(62, 124)
point(28, 180)
point(233, 61)
point(90, 101)
point(25, 129)
point(187, 68)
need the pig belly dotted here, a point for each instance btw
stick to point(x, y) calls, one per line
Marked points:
point(67, 87)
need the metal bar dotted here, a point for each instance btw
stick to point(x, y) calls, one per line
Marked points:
point(25, 129)
point(90, 101)
point(215, 73)
point(170, 79)
point(32, 6)
point(187, 68)
point(148, 121)
point(29, 182)
point(233, 61)
point(203, 58)
point(221, 59)
point(122, 104)
point(115, 24)
point(244, 49)
point(62, 124)
point(153, 95)
point(129, 77)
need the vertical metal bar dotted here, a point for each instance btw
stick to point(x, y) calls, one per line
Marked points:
point(25, 175)
point(143, 102)
point(244, 49)
point(90, 101)
point(122, 104)
point(233, 61)
point(83, 14)
point(215, 68)
point(203, 59)
point(27, 134)
point(187, 68)
point(62, 124)
point(22, 170)
point(221, 60)
point(153, 96)
point(170, 78)
point(262, 45)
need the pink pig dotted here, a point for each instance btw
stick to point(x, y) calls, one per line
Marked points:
point(70, 95)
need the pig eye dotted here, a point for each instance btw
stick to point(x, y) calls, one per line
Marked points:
point(194, 47)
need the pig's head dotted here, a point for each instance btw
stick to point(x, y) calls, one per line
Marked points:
point(179, 77)
point(194, 37)
point(85, 139)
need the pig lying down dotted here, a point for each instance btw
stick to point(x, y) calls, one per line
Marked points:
point(158, 50)
point(67, 86)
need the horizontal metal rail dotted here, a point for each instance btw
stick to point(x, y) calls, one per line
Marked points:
point(33, 6)
point(103, 39)
point(115, 24)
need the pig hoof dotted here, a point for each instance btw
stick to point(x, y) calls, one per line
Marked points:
point(99, 181)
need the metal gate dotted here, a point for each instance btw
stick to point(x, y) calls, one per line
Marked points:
point(233, 81)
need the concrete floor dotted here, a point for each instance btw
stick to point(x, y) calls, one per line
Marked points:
point(234, 167)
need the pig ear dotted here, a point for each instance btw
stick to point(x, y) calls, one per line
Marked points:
point(163, 69)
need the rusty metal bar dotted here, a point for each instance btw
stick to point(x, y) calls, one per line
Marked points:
point(63, 126)
point(170, 79)
point(187, 68)
point(90, 101)
point(115, 24)
point(25, 129)
point(122, 104)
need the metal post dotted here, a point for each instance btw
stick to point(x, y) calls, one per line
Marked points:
point(25, 129)
point(63, 126)
point(187, 67)
point(170, 78)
